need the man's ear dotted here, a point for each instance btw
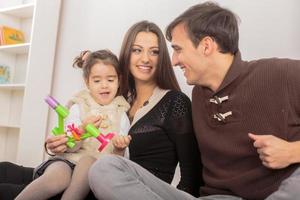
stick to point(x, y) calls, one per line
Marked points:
point(207, 45)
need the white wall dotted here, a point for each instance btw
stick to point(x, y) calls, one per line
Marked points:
point(268, 29)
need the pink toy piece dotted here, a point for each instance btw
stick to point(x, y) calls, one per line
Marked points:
point(104, 140)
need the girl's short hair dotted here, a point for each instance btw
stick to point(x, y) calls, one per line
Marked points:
point(87, 59)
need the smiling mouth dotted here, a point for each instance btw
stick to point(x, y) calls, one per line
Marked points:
point(144, 67)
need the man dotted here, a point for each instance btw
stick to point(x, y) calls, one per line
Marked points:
point(246, 117)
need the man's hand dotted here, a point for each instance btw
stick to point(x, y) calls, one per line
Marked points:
point(274, 152)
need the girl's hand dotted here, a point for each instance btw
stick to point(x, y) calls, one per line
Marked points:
point(95, 120)
point(120, 143)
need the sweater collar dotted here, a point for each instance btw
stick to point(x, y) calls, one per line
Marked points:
point(157, 95)
point(234, 72)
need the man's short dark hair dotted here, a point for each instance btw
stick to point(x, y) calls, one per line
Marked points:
point(209, 19)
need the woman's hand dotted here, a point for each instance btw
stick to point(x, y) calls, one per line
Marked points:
point(57, 144)
point(120, 143)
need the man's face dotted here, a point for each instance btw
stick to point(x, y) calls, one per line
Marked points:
point(191, 59)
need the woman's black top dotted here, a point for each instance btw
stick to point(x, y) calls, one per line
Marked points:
point(163, 137)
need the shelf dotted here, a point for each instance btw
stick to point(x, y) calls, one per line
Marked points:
point(22, 11)
point(16, 48)
point(12, 86)
point(39, 21)
point(9, 126)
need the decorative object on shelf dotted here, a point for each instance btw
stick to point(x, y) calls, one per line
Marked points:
point(91, 130)
point(10, 35)
point(4, 74)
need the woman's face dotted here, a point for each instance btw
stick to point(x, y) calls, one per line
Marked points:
point(144, 57)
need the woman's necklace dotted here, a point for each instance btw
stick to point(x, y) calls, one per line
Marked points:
point(145, 103)
point(132, 114)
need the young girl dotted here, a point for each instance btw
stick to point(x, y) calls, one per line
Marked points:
point(98, 105)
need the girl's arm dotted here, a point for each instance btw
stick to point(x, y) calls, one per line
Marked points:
point(121, 141)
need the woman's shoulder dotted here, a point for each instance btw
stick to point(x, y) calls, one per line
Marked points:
point(179, 104)
point(177, 96)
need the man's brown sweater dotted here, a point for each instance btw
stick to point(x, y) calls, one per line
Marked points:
point(261, 97)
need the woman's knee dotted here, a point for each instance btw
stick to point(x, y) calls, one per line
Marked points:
point(101, 174)
point(107, 163)
point(104, 166)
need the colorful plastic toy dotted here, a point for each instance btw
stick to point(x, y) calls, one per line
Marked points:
point(94, 132)
point(91, 130)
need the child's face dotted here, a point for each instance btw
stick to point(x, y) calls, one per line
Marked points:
point(103, 83)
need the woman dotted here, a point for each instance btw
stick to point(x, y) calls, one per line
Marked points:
point(161, 124)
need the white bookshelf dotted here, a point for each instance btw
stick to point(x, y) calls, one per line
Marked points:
point(16, 48)
point(10, 126)
point(12, 86)
point(20, 11)
point(12, 93)
point(23, 119)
